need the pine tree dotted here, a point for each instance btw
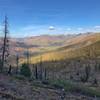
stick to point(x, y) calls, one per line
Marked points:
point(25, 70)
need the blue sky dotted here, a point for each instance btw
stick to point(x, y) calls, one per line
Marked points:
point(36, 17)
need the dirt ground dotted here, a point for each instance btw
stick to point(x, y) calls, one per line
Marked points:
point(14, 89)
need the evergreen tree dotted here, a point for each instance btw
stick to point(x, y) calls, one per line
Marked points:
point(25, 70)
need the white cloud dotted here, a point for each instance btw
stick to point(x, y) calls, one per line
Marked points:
point(97, 27)
point(51, 28)
point(33, 30)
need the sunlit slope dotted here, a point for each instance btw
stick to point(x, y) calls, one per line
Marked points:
point(84, 46)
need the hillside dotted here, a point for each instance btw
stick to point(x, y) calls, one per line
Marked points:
point(38, 44)
point(82, 46)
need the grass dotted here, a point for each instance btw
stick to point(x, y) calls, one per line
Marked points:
point(69, 86)
point(77, 88)
point(19, 77)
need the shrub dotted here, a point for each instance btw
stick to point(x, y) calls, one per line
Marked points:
point(25, 70)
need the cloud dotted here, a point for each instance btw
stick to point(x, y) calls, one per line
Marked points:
point(51, 28)
point(34, 30)
point(97, 27)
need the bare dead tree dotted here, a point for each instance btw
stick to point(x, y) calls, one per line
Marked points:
point(17, 63)
point(9, 71)
point(41, 69)
point(86, 75)
point(87, 72)
point(36, 72)
point(28, 57)
point(5, 46)
point(45, 74)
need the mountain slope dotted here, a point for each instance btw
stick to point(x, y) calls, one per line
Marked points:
point(83, 46)
point(38, 44)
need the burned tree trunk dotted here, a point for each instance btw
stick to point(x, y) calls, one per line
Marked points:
point(17, 63)
point(28, 57)
point(45, 74)
point(5, 46)
point(41, 70)
point(9, 71)
point(36, 72)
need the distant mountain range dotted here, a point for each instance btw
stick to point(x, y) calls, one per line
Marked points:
point(38, 44)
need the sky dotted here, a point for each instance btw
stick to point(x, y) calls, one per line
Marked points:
point(37, 17)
